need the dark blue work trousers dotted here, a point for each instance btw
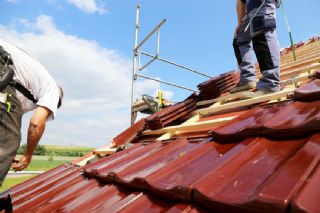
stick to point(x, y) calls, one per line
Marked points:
point(261, 39)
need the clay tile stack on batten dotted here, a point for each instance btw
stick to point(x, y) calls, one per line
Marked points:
point(285, 120)
point(219, 85)
point(170, 114)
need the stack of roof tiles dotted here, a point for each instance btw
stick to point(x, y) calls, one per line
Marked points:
point(170, 114)
point(277, 121)
point(218, 85)
point(266, 159)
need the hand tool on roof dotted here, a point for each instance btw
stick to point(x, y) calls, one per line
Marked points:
point(160, 98)
point(150, 105)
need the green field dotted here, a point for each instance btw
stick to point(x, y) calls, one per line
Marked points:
point(68, 148)
point(45, 163)
point(9, 182)
point(38, 163)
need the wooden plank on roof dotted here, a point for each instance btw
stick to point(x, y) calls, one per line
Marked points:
point(168, 134)
point(306, 53)
point(303, 49)
point(298, 71)
point(302, 61)
point(85, 161)
point(105, 151)
point(189, 127)
point(248, 102)
point(221, 99)
point(301, 76)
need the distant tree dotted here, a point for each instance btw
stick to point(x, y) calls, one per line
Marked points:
point(40, 150)
point(22, 149)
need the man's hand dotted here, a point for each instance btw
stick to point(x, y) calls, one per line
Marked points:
point(241, 11)
point(21, 164)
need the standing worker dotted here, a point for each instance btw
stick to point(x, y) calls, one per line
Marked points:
point(257, 27)
point(31, 88)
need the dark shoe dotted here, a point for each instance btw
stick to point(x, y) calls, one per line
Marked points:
point(5, 202)
point(243, 87)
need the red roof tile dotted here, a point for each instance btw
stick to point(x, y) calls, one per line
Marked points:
point(292, 119)
point(70, 191)
point(131, 133)
point(308, 92)
point(170, 114)
point(311, 189)
point(219, 85)
point(270, 163)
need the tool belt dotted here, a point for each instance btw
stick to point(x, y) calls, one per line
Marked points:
point(6, 70)
point(7, 73)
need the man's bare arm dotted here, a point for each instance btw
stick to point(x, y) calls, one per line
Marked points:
point(36, 128)
point(241, 11)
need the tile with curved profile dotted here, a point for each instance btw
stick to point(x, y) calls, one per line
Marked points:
point(295, 120)
point(246, 125)
point(308, 92)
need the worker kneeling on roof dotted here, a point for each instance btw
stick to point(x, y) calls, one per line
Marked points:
point(257, 27)
point(25, 85)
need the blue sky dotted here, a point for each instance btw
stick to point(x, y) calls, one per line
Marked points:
point(87, 46)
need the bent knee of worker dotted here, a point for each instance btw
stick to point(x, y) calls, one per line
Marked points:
point(8, 147)
point(267, 50)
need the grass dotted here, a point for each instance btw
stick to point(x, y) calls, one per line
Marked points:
point(38, 163)
point(42, 163)
point(68, 148)
point(61, 158)
point(9, 182)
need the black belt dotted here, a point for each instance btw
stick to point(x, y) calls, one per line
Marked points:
point(23, 90)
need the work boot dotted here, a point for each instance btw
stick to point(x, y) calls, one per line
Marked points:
point(258, 93)
point(243, 87)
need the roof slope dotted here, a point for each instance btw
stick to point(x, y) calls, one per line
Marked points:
point(261, 157)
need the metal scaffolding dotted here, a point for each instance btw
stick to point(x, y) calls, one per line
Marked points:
point(137, 55)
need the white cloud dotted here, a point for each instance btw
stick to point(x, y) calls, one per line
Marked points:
point(88, 6)
point(96, 81)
